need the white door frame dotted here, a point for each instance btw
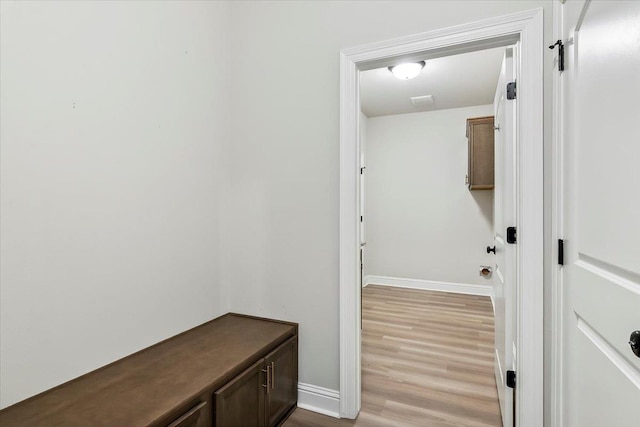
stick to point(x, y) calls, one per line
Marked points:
point(526, 27)
point(556, 393)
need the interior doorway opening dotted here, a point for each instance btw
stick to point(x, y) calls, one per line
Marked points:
point(436, 197)
point(524, 29)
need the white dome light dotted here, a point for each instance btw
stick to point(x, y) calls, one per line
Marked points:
point(408, 70)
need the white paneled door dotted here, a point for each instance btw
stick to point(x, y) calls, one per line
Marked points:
point(504, 217)
point(600, 213)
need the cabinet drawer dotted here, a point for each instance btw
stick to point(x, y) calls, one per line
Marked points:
point(194, 417)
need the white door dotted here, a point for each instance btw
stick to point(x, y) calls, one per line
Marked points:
point(505, 216)
point(600, 215)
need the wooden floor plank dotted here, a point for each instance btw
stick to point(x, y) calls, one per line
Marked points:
point(427, 360)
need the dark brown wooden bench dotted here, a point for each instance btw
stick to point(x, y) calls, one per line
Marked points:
point(235, 370)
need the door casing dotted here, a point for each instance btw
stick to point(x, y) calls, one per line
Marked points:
point(527, 28)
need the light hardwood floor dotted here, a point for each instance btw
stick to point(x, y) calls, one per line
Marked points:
point(427, 360)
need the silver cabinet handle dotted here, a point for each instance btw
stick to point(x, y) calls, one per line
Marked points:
point(267, 377)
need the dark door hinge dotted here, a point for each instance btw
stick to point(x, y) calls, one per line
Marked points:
point(512, 235)
point(511, 379)
point(511, 90)
point(360, 218)
point(560, 252)
point(362, 170)
point(560, 54)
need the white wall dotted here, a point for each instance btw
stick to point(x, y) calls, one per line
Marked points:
point(422, 222)
point(285, 152)
point(260, 215)
point(114, 130)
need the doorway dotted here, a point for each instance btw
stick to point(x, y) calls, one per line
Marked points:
point(525, 29)
point(430, 229)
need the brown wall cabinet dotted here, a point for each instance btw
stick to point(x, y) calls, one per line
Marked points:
point(234, 371)
point(480, 172)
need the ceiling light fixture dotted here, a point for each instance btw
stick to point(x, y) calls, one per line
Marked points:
point(408, 70)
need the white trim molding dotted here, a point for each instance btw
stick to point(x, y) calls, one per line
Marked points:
point(350, 289)
point(319, 399)
point(430, 285)
point(525, 28)
point(555, 371)
point(493, 303)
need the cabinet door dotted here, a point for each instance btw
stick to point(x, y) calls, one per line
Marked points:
point(194, 417)
point(481, 134)
point(282, 391)
point(240, 403)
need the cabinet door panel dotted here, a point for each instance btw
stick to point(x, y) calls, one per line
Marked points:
point(195, 417)
point(480, 132)
point(283, 388)
point(240, 403)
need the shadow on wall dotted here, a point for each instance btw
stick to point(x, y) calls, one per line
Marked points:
point(484, 201)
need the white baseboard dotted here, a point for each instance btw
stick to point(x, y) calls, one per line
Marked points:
point(319, 399)
point(430, 285)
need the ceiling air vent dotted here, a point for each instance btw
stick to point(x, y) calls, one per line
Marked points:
point(421, 101)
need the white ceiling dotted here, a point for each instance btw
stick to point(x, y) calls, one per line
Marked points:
point(454, 81)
